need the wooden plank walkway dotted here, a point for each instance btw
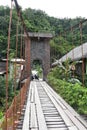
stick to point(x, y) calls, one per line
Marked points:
point(46, 110)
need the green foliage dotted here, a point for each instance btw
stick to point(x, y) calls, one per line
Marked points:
point(3, 87)
point(62, 71)
point(1, 115)
point(3, 92)
point(39, 21)
point(1, 118)
point(36, 20)
point(74, 94)
point(85, 80)
point(59, 46)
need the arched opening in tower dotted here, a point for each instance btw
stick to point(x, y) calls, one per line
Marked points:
point(37, 70)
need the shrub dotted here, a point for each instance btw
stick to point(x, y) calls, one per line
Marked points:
point(74, 94)
point(3, 87)
point(1, 115)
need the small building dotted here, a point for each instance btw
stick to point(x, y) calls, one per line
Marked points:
point(16, 65)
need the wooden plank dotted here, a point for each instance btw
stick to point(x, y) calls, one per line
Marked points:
point(33, 118)
point(84, 122)
point(34, 128)
point(78, 124)
point(57, 126)
point(53, 113)
point(58, 129)
point(27, 112)
point(57, 96)
point(40, 116)
point(53, 119)
point(73, 128)
point(32, 95)
point(47, 111)
point(66, 119)
point(69, 108)
point(47, 108)
point(59, 101)
point(55, 123)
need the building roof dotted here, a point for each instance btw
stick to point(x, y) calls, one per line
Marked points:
point(18, 60)
point(40, 35)
point(75, 54)
point(2, 72)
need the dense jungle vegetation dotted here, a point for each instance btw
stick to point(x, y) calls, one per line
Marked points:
point(69, 88)
point(39, 21)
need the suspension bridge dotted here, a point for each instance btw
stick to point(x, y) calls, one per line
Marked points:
point(38, 106)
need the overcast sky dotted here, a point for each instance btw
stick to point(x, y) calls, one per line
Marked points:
point(56, 8)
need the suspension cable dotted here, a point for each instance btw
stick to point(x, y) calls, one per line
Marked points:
point(21, 49)
point(80, 26)
point(66, 56)
point(15, 78)
point(65, 41)
point(7, 66)
point(73, 67)
point(77, 25)
point(20, 15)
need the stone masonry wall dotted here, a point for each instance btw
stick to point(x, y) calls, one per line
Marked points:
point(40, 50)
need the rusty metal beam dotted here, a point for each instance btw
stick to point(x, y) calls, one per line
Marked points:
point(19, 13)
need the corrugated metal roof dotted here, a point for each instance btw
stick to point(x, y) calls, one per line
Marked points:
point(75, 54)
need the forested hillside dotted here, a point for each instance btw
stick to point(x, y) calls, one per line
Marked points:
point(39, 21)
point(63, 42)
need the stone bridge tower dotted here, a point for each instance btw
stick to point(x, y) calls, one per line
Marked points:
point(37, 48)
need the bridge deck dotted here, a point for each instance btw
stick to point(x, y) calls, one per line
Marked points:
point(46, 110)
